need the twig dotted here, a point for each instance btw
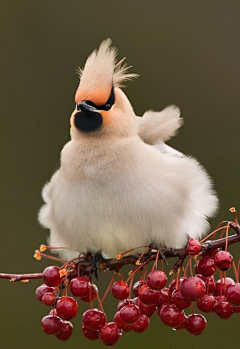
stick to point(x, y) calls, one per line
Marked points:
point(117, 264)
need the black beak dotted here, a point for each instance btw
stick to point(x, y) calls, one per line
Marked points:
point(84, 106)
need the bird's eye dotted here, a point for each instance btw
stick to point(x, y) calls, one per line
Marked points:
point(108, 106)
point(78, 107)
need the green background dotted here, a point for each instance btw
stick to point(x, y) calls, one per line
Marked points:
point(186, 52)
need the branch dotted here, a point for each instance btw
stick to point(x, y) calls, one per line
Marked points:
point(116, 265)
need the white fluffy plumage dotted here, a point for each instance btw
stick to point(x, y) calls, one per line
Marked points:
point(119, 186)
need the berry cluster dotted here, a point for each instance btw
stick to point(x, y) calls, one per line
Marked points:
point(151, 294)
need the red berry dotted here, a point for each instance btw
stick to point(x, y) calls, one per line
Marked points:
point(171, 315)
point(49, 298)
point(147, 295)
point(137, 286)
point(53, 312)
point(141, 325)
point(41, 290)
point(209, 282)
point(223, 309)
point(91, 294)
point(175, 284)
point(51, 324)
point(89, 334)
point(124, 302)
point(222, 284)
point(110, 333)
point(156, 279)
point(67, 307)
point(223, 260)
point(130, 313)
point(51, 276)
point(146, 309)
point(193, 288)
point(179, 301)
point(163, 296)
point(196, 324)
point(120, 290)
point(66, 331)
point(220, 299)
point(206, 303)
point(118, 320)
point(206, 266)
point(210, 253)
point(183, 324)
point(236, 309)
point(79, 286)
point(93, 319)
point(193, 247)
point(232, 294)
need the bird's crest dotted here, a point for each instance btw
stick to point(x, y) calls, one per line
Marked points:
point(101, 69)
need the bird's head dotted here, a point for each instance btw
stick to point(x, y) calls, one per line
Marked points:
point(102, 109)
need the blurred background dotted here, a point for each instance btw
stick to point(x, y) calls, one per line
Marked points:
point(186, 52)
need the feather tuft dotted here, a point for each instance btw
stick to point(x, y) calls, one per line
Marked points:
point(102, 69)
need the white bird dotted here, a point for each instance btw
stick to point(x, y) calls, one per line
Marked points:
point(119, 186)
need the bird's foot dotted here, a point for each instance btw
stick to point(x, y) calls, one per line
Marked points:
point(159, 251)
point(97, 260)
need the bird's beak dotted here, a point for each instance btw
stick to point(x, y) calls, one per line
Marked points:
point(84, 106)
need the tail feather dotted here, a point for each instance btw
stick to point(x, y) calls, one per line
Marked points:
point(155, 127)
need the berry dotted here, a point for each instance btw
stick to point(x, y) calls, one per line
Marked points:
point(175, 284)
point(49, 298)
point(53, 312)
point(146, 309)
point(147, 295)
point(141, 325)
point(130, 313)
point(93, 319)
point(120, 290)
point(206, 266)
point(118, 320)
point(178, 300)
point(196, 324)
point(183, 324)
point(156, 279)
point(193, 247)
point(67, 307)
point(41, 290)
point(91, 294)
point(206, 303)
point(137, 286)
point(209, 282)
point(236, 309)
point(89, 334)
point(51, 276)
point(232, 294)
point(163, 296)
point(222, 284)
point(110, 333)
point(124, 302)
point(79, 286)
point(66, 331)
point(223, 309)
point(223, 260)
point(193, 288)
point(51, 324)
point(171, 315)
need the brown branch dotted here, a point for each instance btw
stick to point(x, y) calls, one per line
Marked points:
point(114, 264)
point(20, 277)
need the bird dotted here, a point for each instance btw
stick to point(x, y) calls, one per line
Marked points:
point(119, 185)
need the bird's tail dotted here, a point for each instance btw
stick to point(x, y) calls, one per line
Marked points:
point(155, 127)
